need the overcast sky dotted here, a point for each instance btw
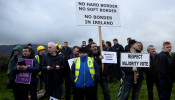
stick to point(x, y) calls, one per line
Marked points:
point(42, 21)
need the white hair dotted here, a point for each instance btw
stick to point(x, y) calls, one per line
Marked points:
point(53, 44)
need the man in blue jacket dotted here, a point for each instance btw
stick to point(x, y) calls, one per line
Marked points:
point(85, 73)
point(53, 65)
point(21, 89)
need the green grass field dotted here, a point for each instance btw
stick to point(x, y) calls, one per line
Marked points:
point(113, 87)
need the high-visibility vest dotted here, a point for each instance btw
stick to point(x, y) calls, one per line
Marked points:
point(90, 62)
point(37, 58)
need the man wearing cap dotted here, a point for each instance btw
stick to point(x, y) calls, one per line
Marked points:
point(39, 57)
point(129, 77)
point(84, 73)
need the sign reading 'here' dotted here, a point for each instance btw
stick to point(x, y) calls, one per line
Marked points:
point(135, 60)
point(97, 14)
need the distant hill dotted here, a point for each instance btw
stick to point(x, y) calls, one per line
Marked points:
point(5, 50)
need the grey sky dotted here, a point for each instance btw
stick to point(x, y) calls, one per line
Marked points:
point(42, 21)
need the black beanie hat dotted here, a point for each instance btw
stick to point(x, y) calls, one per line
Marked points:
point(83, 50)
point(132, 42)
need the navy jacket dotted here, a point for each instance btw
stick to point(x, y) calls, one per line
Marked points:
point(96, 76)
point(166, 66)
point(53, 75)
point(118, 48)
point(127, 48)
point(34, 70)
point(67, 51)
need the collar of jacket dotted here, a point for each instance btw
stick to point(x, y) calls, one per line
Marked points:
point(83, 58)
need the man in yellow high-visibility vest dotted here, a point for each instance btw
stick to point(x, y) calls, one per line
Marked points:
point(39, 57)
point(85, 73)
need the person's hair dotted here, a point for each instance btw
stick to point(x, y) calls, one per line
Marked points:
point(166, 43)
point(109, 43)
point(84, 41)
point(65, 42)
point(149, 47)
point(141, 45)
point(115, 40)
point(27, 48)
point(129, 38)
point(103, 41)
point(90, 39)
point(91, 44)
point(53, 44)
point(29, 44)
point(75, 48)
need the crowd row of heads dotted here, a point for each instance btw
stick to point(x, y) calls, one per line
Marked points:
point(92, 44)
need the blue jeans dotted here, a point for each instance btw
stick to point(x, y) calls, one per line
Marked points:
point(127, 88)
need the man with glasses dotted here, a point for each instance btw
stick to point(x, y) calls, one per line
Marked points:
point(166, 72)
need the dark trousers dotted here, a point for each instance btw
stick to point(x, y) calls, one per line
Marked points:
point(41, 81)
point(104, 85)
point(20, 91)
point(68, 87)
point(150, 83)
point(127, 88)
point(89, 93)
point(118, 71)
point(111, 73)
point(165, 89)
point(54, 90)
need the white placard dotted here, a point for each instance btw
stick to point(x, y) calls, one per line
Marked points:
point(52, 98)
point(97, 14)
point(109, 57)
point(135, 60)
point(71, 61)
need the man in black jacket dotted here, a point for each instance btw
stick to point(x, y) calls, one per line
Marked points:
point(152, 72)
point(166, 72)
point(97, 56)
point(53, 64)
point(129, 77)
point(118, 48)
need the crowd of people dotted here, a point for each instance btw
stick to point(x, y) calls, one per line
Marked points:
point(50, 71)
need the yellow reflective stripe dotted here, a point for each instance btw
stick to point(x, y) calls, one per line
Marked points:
point(77, 69)
point(37, 58)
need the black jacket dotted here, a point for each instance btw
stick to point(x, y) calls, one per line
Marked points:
point(127, 48)
point(67, 51)
point(53, 75)
point(118, 48)
point(152, 72)
point(166, 66)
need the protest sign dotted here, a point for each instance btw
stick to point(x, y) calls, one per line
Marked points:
point(109, 57)
point(97, 14)
point(71, 61)
point(135, 60)
point(24, 76)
